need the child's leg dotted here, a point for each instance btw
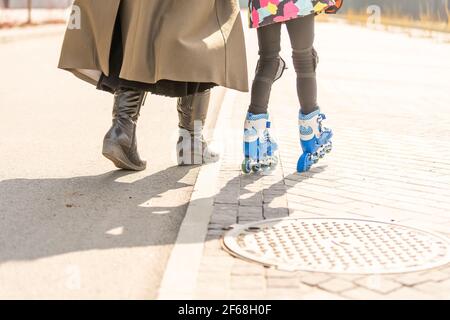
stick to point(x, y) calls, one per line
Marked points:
point(259, 147)
point(301, 33)
point(268, 67)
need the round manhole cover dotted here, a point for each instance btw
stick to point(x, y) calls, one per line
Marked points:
point(337, 246)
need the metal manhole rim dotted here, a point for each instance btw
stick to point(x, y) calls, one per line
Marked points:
point(236, 229)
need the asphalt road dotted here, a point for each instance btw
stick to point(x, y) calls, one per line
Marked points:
point(71, 225)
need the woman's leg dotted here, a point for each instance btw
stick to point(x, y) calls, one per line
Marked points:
point(192, 148)
point(301, 33)
point(119, 144)
point(268, 67)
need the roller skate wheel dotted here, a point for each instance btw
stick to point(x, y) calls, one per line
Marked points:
point(304, 163)
point(314, 158)
point(275, 162)
point(271, 165)
point(246, 168)
point(256, 168)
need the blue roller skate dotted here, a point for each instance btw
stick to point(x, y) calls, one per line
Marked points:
point(259, 147)
point(314, 139)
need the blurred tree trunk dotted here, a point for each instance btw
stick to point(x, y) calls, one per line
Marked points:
point(447, 10)
point(29, 6)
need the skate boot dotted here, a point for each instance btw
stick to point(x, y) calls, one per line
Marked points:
point(314, 139)
point(192, 148)
point(259, 147)
point(119, 144)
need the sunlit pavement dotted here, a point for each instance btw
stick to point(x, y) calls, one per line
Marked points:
point(71, 225)
point(386, 98)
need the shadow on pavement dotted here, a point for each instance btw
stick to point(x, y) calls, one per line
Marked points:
point(45, 217)
point(41, 218)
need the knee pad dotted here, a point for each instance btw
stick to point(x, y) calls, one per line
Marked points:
point(305, 62)
point(267, 71)
point(281, 68)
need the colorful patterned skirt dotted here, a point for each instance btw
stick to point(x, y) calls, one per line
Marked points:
point(264, 12)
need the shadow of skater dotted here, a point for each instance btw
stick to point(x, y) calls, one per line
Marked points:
point(46, 217)
point(250, 198)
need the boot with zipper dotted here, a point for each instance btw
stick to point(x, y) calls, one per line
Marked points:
point(119, 144)
point(192, 148)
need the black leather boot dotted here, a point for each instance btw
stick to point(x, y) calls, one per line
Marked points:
point(192, 149)
point(120, 145)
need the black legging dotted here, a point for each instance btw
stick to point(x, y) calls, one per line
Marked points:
point(301, 34)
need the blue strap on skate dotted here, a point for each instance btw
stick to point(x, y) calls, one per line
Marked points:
point(255, 117)
point(302, 116)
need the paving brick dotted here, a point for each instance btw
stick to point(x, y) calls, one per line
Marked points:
point(248, 282)
point(250, 214)
point(336, 285)
point(411, 279)
point(304, 215)
point(287, 294)
point(378, 284)
point(226, 261)
point(210, 281)
point(246, 294)
point(276, 201)
point(212, 244)
point(282, 283)
point(294, 198)
point(274, 190)
point(226, 209)
point(314, 279)
point(247, 270)
point(435, 275)
point(251, 199)
point(319, 294)
point(223, 220)
point(406, 293)
point(314, 195)
point(439, 290)
point(207, 293)
point(227, 197)
point(215, 233)
point(273, 213)
point(360, 293)
point(215, 268)
point(274, 273)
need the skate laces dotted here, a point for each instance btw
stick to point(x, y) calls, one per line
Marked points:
point(267, 137)
point(320, 118)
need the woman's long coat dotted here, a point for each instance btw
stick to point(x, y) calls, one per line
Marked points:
point(188, 40)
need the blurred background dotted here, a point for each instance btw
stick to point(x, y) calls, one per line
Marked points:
point(424, 14)
point(14, 13)
point(429, 14)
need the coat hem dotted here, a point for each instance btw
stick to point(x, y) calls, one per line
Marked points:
point(93, 82)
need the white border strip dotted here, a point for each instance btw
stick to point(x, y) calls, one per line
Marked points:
point(180, 278)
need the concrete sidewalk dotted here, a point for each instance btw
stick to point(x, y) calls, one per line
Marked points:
point(388, 107)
